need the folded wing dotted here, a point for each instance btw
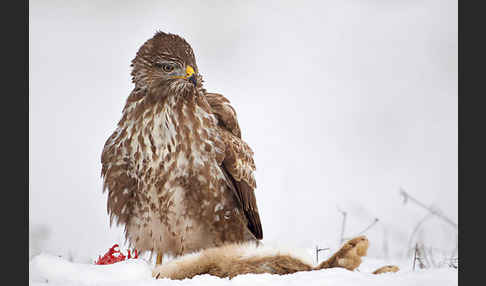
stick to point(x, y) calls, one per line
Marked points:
point(238, 164)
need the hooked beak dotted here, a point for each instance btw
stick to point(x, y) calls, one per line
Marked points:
point(191, 75)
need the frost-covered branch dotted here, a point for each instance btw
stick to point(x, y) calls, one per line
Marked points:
point(436, 212)
point(343, 226)
point(364, 230)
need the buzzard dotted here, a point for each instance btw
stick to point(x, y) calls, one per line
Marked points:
point(178, 174)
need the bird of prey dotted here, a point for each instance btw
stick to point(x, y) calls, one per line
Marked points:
point(178, 174)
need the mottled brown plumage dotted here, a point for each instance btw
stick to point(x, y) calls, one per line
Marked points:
point(178, 175)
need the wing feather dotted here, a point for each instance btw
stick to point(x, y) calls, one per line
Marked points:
point(238, 164)
point(117, 180)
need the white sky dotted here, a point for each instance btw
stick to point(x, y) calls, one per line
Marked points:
point(343, 103)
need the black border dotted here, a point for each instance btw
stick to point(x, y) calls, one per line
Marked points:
point(471, 143)
point(14, 137)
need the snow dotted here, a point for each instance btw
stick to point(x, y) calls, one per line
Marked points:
point(53, 269)
point(46, 269)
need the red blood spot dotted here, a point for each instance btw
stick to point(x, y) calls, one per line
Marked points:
point(113, 255)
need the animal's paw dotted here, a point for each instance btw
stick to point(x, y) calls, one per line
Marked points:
point(349, 256)
point(177, 269)
point(162, 271)
point(387, 268)
point(159, 272)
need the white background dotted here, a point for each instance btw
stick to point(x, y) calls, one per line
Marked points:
point(343, 102)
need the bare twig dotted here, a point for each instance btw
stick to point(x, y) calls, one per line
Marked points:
point(317, 252)
point(454, 263)
point(343, 226)
point(417, 227)
point(385, 244)
point(414, 257)
point(436, 212)
point(421, 263)
point(455, 249)
point(430, 257)
point(369, 226)
point(364, 230)
point(70, 256)
point(418, 257)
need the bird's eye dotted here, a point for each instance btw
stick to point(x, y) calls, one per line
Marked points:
point(168, 67)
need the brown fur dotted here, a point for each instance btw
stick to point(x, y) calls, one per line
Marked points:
point(231, 260)
point(387, 268)
point(349, 256)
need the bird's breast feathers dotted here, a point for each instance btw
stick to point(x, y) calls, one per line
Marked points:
point(178, 136)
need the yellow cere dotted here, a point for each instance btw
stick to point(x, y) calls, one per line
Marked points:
point(189, 71)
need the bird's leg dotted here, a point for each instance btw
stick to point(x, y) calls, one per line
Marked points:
point(159, 259)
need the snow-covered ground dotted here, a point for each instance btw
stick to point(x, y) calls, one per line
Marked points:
point(45, 269)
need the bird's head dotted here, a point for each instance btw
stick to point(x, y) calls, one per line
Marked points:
point(166, 61)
